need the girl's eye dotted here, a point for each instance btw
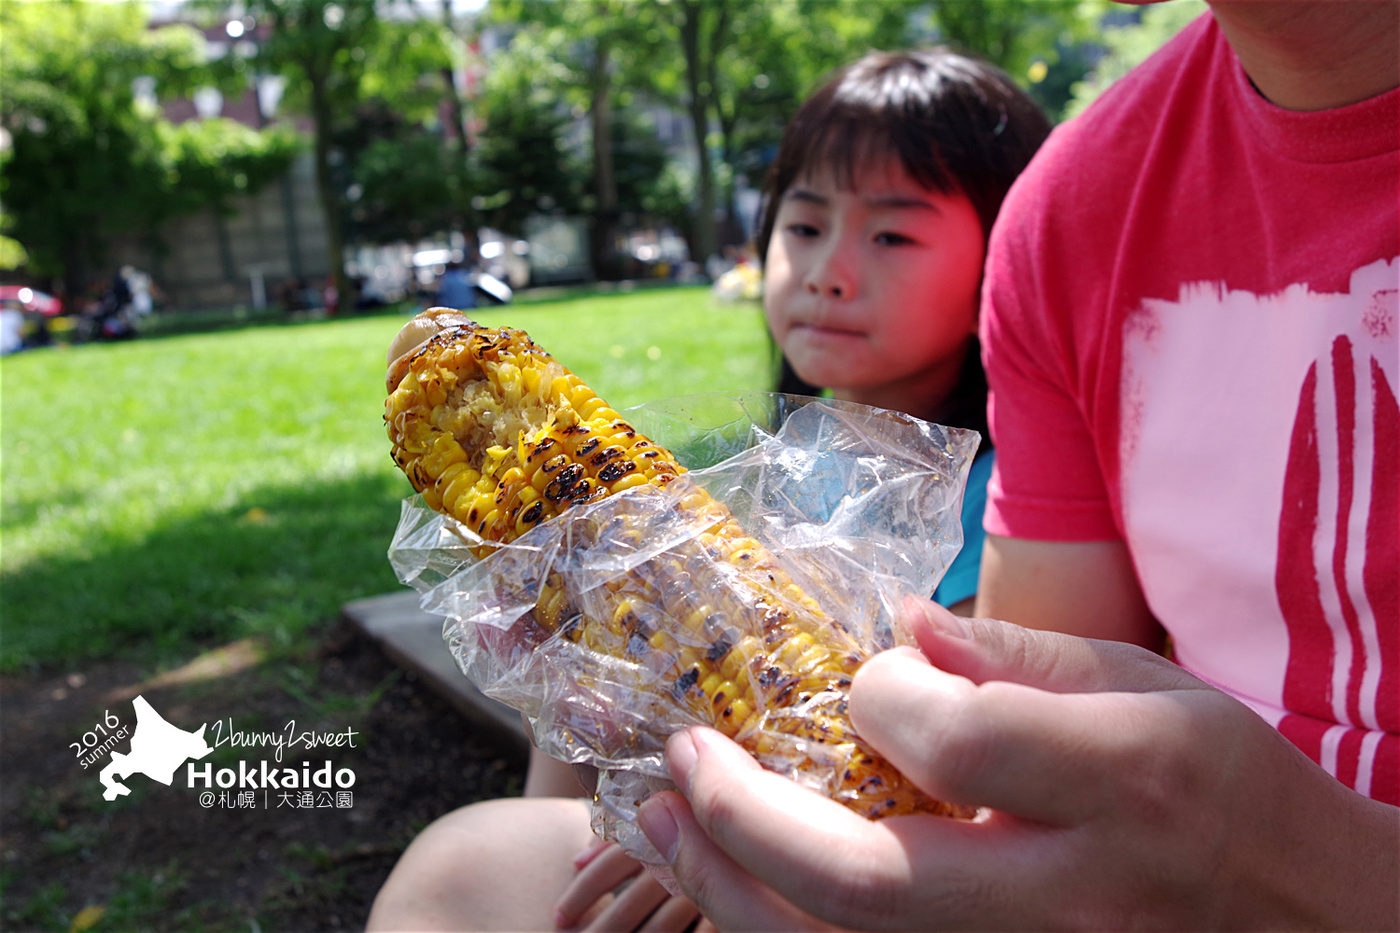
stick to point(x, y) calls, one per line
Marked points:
point(892, 239)
point(803, 230)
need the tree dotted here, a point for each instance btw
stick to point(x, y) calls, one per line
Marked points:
point(405, 183)
point(522, 166)
point(1129, 44)
point(86, 159)
point(743, 68)
point(336, 55)
point(588, 39)
point(1026, 38)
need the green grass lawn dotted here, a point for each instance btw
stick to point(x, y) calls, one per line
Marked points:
point(173, 494)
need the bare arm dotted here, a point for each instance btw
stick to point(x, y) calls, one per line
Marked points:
point(1084, 588)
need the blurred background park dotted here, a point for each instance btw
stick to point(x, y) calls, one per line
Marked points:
point(214, 215)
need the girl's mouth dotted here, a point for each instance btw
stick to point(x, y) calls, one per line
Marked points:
point(827, 330)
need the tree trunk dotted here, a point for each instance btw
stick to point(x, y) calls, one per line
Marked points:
point(330, 199)
point(463, 147)
point(603, 235)
point(703, 240)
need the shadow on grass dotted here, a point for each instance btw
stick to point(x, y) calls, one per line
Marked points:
point(275, 564)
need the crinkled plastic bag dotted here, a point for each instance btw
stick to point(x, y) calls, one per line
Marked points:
point(860, 506)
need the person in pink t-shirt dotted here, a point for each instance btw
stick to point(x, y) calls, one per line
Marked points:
point(1190, 332)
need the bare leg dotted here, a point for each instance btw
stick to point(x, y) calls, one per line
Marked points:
point(549, 777)
point(496, 865)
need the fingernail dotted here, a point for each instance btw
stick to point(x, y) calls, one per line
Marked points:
point(660, 828)
point(680, 759)
point(938, 618)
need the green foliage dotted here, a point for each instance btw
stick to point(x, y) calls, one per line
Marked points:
point(86, 158)
point(1131, 44)
point(409, 188)
point(162, 495)
point(522, 162)
point(1037, 42)
point(207, 162)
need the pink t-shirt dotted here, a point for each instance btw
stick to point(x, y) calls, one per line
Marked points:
point(1190, 331)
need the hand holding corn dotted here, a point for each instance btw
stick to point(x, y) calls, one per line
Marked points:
point(496, 433)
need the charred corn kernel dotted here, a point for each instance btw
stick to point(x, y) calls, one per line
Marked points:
point(723, 695)
point(495, 432)
point(737, 714)
point(736, 659)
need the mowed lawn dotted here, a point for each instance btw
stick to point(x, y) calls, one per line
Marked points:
point(170, 495)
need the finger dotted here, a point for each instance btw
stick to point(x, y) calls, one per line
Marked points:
point(590, 852)
point(986, 649)
point(597, 879)
point(631, 906)
point(1043, 756)
point(728, 895)
point(800, 844)
point(674, 916)
point(752, 844)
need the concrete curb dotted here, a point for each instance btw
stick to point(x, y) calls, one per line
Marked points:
point(413, 639)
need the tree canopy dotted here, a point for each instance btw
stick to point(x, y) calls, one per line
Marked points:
point(86, 157)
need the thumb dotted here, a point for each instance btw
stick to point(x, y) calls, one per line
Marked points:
point(986, 649)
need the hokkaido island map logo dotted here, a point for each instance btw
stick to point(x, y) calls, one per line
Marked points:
point(172, 756)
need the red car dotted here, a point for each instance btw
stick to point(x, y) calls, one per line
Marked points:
point(30, 300)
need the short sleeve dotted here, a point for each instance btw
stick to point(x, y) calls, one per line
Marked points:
point(1048, 483)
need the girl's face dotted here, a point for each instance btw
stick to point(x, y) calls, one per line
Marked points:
point(873, 292)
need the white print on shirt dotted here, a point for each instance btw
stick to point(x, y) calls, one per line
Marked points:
point(1277, 579)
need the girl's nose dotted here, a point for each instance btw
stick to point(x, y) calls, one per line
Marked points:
point(831, 276)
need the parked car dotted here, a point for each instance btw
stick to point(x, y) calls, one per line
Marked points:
point(30, 300)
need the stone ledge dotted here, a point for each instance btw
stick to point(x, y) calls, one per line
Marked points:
point(413, 639)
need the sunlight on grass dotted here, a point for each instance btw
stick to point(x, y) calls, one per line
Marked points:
point(164, 494)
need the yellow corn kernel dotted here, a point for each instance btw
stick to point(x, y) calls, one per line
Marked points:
point(630, 481)
point(662, 642)
point(738, 657)
point(724, 694)
point(590, 406)
point(432, 497)
point(457, 484)
point(733, 717)
point(444, 452)
point(580, 396)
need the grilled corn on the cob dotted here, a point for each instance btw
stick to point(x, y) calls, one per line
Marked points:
point(496, 433)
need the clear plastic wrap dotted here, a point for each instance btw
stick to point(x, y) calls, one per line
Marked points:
point(855, 506)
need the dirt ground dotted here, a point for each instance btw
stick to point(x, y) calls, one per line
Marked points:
point(160, 860)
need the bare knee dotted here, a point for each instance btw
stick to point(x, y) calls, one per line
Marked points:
point(496, 865)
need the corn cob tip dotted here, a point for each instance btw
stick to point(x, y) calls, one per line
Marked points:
point(414, 334)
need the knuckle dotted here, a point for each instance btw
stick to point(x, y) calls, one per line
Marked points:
point(966, 747)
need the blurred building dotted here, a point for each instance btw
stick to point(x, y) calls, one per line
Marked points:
point(273, 238)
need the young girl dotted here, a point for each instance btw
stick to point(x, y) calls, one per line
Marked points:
point(878, 210)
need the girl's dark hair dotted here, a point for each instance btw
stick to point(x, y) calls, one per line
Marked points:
point(957, 124)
